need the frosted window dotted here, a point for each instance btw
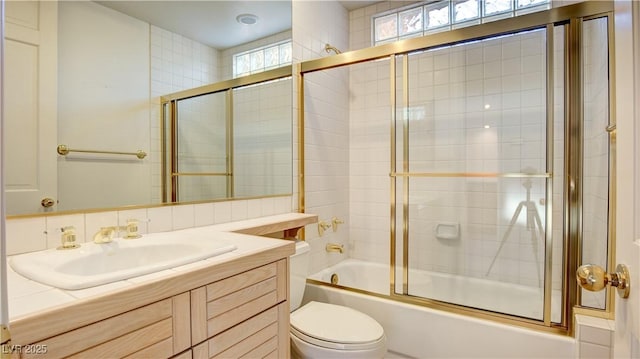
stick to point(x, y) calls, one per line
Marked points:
point(257, 61)
point(436, 15)
point(243, 65)
point(527, 3)
point(271, 57)
point(285, 53)
point(261, 59)
point(465, 10)
point(497, 6)
point(410, 21)
point(442, 15)
point(386, 27)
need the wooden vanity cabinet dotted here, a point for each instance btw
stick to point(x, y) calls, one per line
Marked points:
point(237, 308)
point(156, 330)
point(246, 315)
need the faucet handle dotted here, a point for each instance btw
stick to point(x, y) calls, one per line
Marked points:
point(335, 222)
point(323, 226)
point(68, 238)
point(132, 229)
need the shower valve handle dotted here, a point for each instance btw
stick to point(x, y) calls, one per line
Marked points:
point(323, 226)
point(335, 222)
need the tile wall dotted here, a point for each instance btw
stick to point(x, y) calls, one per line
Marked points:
point(326, 124)
point(369, 148)
point(507, 136)
point(40, 233)
point(596, 151)
point(478, 108)
point(449, 90)
point(594, 337)
point(262, 139)
point(202, 147)
point(178, 63)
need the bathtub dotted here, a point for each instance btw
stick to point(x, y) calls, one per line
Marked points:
point(421, 332)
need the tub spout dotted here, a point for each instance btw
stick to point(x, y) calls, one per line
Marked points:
point(333, 247)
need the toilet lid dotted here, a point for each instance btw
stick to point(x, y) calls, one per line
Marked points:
point(335, 326)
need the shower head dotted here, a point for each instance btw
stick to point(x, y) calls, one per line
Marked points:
point(328, 48)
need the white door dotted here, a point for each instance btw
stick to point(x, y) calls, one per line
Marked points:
point(30, 105)
point(627, 333)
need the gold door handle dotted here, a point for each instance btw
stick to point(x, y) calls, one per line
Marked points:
point(593, 278)
point(47, 202)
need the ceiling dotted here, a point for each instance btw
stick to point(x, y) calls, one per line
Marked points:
point(211, 22)
point(214, 22)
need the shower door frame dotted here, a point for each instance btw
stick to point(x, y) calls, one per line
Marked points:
point(570, 17)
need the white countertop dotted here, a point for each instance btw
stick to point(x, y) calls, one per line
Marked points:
point(27, 297)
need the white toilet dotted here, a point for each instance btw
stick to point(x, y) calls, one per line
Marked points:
point(322, 330)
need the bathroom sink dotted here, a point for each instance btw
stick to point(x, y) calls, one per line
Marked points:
point(95, 264)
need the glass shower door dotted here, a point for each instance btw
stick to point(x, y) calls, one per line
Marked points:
point(476, 154)
point(201, 143)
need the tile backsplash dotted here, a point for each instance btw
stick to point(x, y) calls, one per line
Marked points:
point(40, 233)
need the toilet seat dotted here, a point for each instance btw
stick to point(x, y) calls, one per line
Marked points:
point(336, 327)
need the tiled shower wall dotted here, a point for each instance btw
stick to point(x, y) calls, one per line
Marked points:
point(177, 63)
point(369, 149)
point(449, 93)
point(478, 108)
point(202, 147)
point(596, 151)
point(262, 139)
point(326, 129)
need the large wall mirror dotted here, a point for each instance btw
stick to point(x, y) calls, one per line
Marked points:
point(90, 76)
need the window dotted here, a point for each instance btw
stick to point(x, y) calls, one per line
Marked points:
point(434, 16)
point(262, 59)
point(466, 10)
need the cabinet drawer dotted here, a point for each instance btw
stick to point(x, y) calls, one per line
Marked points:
point(257, 337)
point(155, 330)
point(228, 302)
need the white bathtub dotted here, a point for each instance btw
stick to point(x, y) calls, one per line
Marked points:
point(423, 332)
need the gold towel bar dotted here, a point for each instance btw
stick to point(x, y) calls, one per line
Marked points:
point(64, 150)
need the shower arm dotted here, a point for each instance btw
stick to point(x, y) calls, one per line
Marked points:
point(328, 48)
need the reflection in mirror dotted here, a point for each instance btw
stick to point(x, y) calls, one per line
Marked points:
point(262, 139)
point(231, 142)
point(93, 81)
point(595, 49)
point(201, 133)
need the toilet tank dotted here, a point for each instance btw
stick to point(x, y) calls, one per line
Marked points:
point(298, 271)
